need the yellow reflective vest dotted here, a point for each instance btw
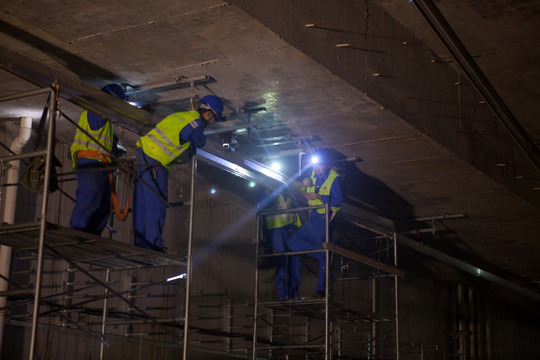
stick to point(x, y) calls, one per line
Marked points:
point(82, 142)
point(163, 142)
point(279, 220)
point(324, 190)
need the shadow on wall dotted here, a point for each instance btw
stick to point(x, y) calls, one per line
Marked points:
point(370, 194)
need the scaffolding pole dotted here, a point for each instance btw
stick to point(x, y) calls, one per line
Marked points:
point(104, 316)
point(327, 350)
point(396, 297)
point(189, 254)
point(53, 113)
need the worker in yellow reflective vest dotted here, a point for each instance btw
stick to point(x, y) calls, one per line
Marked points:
point(93, 195)
point(278, 229)
point(325, 186)
point(171, 137)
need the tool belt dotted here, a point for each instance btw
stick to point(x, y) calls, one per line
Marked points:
point(107, 160)
point(96, 155)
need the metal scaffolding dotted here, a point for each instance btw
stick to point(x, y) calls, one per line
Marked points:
point(81, 250)
point(86, 252)
point(321, 328)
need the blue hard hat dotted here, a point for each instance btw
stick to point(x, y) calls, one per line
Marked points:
point(115, 90)
point(214, 103)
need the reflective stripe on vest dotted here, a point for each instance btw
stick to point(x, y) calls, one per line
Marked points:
point(163, 142)
point(82, 142)
point(279, 220)
point(324, 190)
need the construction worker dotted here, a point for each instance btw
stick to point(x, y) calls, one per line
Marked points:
point(93, 195)
point(278, 228)
point(325, 186)
point(171, 137)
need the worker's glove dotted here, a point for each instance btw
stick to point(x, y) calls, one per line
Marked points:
point(311, 196)
point(190, 152)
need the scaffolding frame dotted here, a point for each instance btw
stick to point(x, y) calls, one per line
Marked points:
point(24, 235)
point(133, 119)
point(308, 307)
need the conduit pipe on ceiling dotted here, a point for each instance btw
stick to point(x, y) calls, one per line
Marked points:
point(444, 32)
point(25, 130)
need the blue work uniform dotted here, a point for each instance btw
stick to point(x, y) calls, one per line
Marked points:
point(168, 140)
point(93, 195)
point(312, 234)
point(277, 232)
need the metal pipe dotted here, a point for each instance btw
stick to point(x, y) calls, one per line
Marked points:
point(79, 93)
point(468, 268)
point(25, 94)
point(300, 154)
point(23, 156)
point(25, 130)
point(160, 85)
point(438, 24)
point(189, 253)
point(303, 252)
point(226, 129)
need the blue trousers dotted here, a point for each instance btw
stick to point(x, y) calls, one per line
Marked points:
point(148, 209)
point(310, 236)
point(92, 198)
point(284, 276)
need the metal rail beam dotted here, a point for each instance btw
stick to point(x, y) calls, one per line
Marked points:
point(364, 259)
point(78, 92)
point(246, 168)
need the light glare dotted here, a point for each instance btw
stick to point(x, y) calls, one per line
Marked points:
point(181, 276)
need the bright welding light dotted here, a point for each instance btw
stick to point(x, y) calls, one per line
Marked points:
point(181, 276)
point(213, 191)
point(276, 166)
point(314, 159)
point(252, 184)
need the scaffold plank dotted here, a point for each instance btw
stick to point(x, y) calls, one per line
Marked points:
point(315, 308)
point(81, 247)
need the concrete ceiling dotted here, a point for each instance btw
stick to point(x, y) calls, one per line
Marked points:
point(366, 78)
